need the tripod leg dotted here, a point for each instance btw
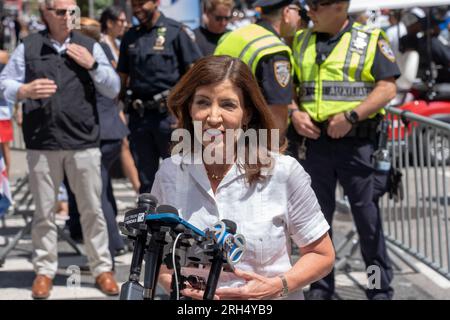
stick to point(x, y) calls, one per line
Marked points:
point(13, 242)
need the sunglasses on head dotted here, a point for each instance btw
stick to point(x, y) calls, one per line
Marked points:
point(62, 12)
point(222, 18)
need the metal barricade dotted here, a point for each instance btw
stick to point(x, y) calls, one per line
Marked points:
point(419, 222)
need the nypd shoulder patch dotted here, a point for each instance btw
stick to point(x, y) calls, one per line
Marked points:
point(189, 32)
point(386, 50)
point(282, 70)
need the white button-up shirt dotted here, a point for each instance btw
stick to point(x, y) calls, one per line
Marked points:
point(269, 214)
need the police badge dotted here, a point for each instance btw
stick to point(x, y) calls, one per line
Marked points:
point(160, 39)
point(282, 71)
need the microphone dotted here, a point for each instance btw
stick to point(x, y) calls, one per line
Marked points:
point(147, 201)
point(153, 258)
point(165, 208)
point(232, 244)
point(132, 290)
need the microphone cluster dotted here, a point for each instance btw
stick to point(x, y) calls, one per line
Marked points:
point(161, 236)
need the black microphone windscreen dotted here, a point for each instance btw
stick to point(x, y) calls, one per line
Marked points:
point(165, 208)
point(231, 226)
point(147, 200)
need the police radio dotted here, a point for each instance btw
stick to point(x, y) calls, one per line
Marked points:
point(382, 156)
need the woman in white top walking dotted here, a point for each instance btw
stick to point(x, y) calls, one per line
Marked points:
point(267, 194)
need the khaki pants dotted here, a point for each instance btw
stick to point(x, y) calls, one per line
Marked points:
point(82, 168)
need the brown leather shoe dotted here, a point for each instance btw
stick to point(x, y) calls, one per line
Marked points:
point(107, 284)
point(41, 287)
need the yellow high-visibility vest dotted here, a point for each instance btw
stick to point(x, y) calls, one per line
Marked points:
point(343, 80)
point(250, 44)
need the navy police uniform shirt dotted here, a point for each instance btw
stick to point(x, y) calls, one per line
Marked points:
point(384, 65)
point(207, 41)
point(156, 58)
point(272, 72)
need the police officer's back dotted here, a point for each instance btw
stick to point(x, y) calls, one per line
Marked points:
point(153, 57)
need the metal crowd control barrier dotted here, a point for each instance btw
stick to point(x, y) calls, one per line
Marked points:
point(419, 222)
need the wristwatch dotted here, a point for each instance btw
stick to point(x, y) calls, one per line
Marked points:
point(94, 66)
point(285, 291)
point(352, 117)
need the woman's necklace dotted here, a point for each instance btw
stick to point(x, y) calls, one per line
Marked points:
point(215, 176)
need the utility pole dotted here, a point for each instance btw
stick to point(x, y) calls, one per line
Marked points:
point(91, 9)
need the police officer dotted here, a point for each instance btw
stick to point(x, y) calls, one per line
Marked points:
point(153, 57)
point(416, 23)
point(261, 47)
point(346, 74)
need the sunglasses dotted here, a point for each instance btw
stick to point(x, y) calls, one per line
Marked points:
point(62, 12)
point(222, 18)
point(314, 6)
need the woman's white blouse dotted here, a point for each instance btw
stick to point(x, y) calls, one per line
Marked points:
point(268, 214)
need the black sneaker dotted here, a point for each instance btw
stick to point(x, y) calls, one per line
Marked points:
point(317, 294)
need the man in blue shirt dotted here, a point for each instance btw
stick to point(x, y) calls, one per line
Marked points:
point(56, 74)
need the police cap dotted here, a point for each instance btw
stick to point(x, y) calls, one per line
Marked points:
point(270, 5)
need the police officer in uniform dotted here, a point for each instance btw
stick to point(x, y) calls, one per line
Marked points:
point(346, 73)
point(262, 48)
point(153, 57)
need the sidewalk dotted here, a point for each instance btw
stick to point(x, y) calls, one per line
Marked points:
point(16, 275)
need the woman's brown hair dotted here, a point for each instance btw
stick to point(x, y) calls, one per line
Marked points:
point(90, 28)
point(215, 69)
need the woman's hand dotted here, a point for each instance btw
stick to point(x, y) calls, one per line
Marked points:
point(257, 288)
point(195, 293)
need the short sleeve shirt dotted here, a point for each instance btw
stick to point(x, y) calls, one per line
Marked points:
point(156, 58)
point(274, 75)
point(268, 214)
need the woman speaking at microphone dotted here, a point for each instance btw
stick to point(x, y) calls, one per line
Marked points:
point(229, 166)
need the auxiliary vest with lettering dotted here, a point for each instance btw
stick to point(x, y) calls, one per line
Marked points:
point(250, 44)
point(343, 80)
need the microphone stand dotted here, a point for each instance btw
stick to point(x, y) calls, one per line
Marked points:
point(214, 274)
point(132, 289)
point(153, 261)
